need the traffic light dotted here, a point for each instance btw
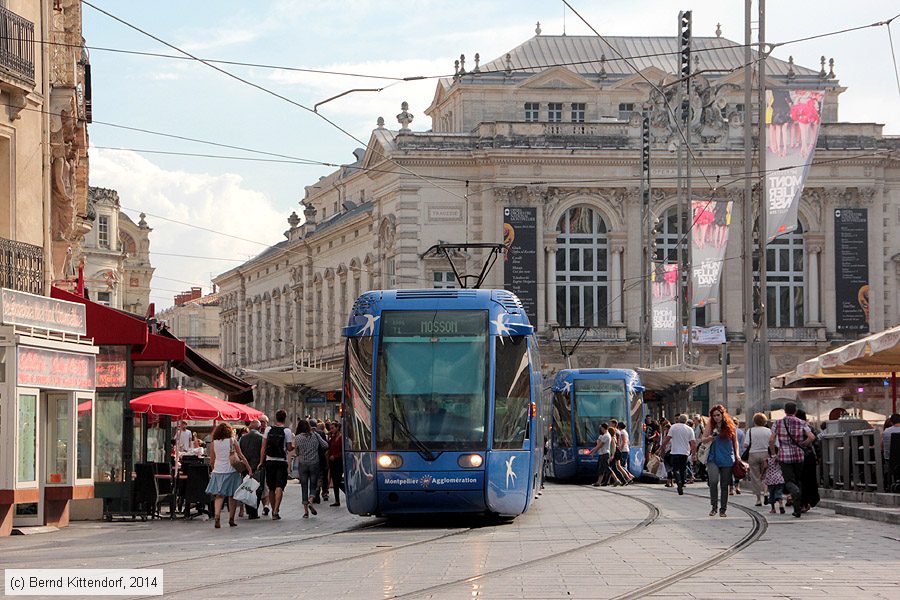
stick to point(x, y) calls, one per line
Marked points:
point(645, 145)
point(684, 42)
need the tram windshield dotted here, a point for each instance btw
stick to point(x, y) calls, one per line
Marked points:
point(597, 401)
point(432, 380)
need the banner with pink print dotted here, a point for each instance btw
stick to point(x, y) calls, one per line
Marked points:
point(663, 287)
point(709, 238)
point(792, 130)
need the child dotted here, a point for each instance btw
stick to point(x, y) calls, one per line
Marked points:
point(774, 479)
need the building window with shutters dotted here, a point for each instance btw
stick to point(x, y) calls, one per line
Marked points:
point(784, 280)
point(625, 110)
point(103, 231)
point(444, 280)
point(578, 112)
point(532, 112)
point(582, 276)
point(554, 112)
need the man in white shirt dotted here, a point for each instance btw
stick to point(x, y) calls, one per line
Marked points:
point(603, 449)
point(683, 444)
point(183, 438)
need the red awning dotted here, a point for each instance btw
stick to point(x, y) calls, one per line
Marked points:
point(159, 348)
point(108, 326)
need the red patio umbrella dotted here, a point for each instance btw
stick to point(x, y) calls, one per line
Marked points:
point(248, 413)
point(186, 404)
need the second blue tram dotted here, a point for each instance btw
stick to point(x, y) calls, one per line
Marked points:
point(441, 404)
point(583, 399)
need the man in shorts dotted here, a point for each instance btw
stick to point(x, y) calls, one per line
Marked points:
point(278, 441)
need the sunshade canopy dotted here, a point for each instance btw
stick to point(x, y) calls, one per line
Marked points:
point(320, 380)
point(677, 377)
point(187, 404)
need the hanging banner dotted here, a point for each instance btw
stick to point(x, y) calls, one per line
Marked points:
point(663, 287)
point(709, 237)
point(713, 335)
point(851, 269)
point(792, 130)
point(520, 262)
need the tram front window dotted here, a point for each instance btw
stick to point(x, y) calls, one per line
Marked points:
point(432, 380)
point(597, 401)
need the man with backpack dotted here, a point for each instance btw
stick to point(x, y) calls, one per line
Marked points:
point(278, 440)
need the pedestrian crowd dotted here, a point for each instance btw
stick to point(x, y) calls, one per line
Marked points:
point(270, 455)
point(779, 458)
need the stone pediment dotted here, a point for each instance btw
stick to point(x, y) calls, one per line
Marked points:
point(558, 78)
point(636, 81)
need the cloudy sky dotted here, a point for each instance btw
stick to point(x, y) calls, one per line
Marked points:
point(250, 200)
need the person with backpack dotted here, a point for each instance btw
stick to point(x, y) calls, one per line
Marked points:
point(277, 442)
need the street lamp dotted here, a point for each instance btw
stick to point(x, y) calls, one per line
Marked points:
point(293, 351)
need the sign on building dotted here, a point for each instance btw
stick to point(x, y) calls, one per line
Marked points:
point(55, 370)
point(520, 270)
point(29, 310)
point(851, 269)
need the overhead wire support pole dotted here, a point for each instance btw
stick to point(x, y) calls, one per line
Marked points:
point(646, 258)
point(747, 213)
point(685, 26)
point(765, 385)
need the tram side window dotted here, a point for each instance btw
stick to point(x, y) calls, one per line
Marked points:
point(358, 393)
point(636, 439)
point(512, 393)
point(562, 418)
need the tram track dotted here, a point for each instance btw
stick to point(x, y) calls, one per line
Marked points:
point(760, 525)
point(652, 516)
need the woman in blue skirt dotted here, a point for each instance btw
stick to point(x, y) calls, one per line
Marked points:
point(225, 480)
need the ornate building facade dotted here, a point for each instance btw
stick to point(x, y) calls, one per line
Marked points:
point(116, 256)
point(194, 318)
point(554, 126)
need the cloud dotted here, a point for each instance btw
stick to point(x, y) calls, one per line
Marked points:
point(220, 203)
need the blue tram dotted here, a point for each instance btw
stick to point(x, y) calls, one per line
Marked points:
point(442, 403)
point(582, 400)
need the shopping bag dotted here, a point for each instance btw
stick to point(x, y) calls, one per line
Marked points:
point(246, 493)
point(661, 471)
point(652, 463)
point(294, 472)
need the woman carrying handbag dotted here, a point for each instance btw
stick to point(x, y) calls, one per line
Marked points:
point(225, 455)
point(724, 457)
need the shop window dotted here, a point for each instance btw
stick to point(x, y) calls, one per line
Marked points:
point(112, 367)
point(84, 438)
point(108, 447)
point(27, 467)
point(157, 433)
point(150, 377)
point(57, 441)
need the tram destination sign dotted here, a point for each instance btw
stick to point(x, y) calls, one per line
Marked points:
point(430, 323)
point(30, 310)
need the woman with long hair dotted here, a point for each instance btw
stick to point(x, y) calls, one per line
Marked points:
point(225, 480)
point(721, 434)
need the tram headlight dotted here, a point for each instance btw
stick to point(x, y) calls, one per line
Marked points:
point(470, 461)
point(390, 461)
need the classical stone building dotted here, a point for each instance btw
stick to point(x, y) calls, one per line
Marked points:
point(554, 126)
point(116, 256)
point(194, 318)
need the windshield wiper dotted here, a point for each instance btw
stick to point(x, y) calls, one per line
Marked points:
point(423, 449)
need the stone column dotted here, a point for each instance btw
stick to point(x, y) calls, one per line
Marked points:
point(550, 261)
point(616, 252)
point(813, 319)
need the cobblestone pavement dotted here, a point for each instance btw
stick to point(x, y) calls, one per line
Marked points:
point(576, 542)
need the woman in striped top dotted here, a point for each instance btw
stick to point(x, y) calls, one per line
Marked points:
point(306, 447)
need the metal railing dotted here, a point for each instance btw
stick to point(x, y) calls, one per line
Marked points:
point(16, 45)
point(21, 266)
point(202, 341)
point(851, 460)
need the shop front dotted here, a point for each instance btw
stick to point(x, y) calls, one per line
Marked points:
point(47, 392)
point(136, 357)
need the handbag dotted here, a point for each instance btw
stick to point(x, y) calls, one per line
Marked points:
point(808, 451)
point(653, 463)
point(739, 471)
point(703, 452)
point(246, 493)
point(745, 455)
point(236, 463)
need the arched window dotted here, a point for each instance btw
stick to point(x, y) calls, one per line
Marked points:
point(582, 277)
point(784, 280)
